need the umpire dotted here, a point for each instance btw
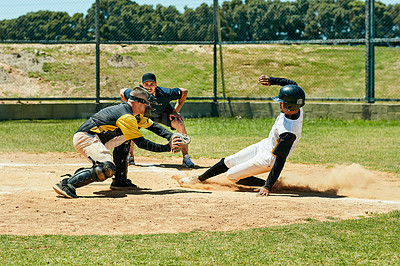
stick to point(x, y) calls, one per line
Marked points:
point(162, 110)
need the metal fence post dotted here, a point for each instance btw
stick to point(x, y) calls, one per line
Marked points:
point(221, 62)
point(215, 49)
point(97, 22)
point(369, 52)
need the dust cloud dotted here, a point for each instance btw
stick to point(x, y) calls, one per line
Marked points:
point(343, 180)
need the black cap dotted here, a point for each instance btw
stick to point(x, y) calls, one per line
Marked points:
point(149, 77)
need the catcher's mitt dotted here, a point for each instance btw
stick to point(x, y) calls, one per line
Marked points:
point(178, 140)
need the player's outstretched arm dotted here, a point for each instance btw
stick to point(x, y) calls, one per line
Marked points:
point(160, 131)
point(268, 81)
point(281, 152)
point(282, 81)
point(151, 146)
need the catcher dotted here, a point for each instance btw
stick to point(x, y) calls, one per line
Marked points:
point(270, 154)
point(109, 128)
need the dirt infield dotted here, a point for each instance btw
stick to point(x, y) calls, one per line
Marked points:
point(29, 206)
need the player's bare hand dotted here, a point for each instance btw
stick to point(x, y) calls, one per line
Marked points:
point(176, 116)
point(264, 80)
point(262, 192)
point(177, 122)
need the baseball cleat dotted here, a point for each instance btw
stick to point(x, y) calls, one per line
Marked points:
point(189, 180)
point(123, 184)
point(64, 189)
point(187, 162)
point(131, 160)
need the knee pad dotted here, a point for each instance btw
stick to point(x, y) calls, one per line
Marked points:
point(98, 172)
point(103, 170)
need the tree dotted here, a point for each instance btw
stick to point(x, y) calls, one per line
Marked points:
point(383, 21)
point(357, 19)
point(333, 20)
point(394, 13)
point(79, 27)
point(248, 20)
point(40, 25)
point(234, 21)
point(169, 19)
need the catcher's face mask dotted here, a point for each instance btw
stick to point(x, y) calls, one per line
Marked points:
point(139, 94)
point(140, 100)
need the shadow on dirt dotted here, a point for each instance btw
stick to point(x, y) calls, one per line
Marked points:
point(250, 183)
point(292, 191)
point(306, 191)
point(141, 191)
point(297, 194)
point(171, 166)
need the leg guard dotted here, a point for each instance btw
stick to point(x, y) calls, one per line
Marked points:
point(98, 172)
point(120, 157)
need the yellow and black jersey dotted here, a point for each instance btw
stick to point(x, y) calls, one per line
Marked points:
point(114, 121)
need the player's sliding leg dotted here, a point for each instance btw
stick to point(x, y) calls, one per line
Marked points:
point(215, 170)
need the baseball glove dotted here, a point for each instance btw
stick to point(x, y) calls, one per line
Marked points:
point(178, 140)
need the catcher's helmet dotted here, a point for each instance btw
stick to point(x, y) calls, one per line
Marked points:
point(139, 92)
point(292, 97)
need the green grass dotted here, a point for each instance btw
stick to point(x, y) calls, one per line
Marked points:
point(370, 241)
point(369, 143)
point(322, 70)
point(38, 135)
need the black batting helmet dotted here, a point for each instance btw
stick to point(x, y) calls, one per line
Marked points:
point(292, 97)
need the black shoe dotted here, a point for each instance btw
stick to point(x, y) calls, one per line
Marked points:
point(126, 184)
point(64, 189)
point(131, 160)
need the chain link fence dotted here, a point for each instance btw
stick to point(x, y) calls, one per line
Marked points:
point(215, 50)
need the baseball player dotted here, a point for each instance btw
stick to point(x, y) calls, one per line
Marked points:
point(109, 128)
point(162, 111)
point(270, 154)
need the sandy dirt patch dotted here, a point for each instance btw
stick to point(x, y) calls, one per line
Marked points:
point(29, 206)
